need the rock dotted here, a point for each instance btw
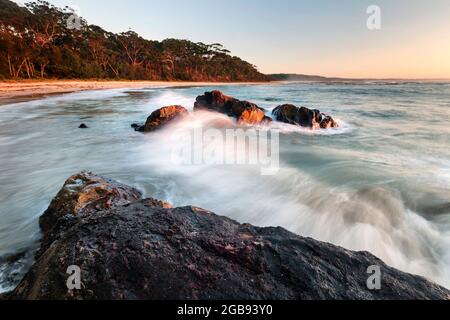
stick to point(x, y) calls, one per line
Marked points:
point(155, 203)
point(143, 250)
point(83, 126)
point(161, 117)
point(328, 122)
point(244, 111)
point(304, 117)
point(83, 194)
point(136, 126)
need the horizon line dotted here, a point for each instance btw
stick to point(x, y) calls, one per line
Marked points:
point(354, 78)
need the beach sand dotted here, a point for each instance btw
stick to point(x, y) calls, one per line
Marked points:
point(14, 91)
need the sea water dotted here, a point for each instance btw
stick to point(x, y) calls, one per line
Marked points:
point(379, 183)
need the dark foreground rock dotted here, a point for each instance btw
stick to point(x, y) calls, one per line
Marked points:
point(304, 117)
point(85, 193)
point(244, 111)
point(161, 118)
point(147, 250)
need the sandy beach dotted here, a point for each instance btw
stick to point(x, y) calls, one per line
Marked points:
point(12, 91)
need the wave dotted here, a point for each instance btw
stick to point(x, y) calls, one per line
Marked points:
point(170, 98)
point(367, 217)
point(285, 128)
point(375, 184)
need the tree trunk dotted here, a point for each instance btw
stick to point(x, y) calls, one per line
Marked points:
point(114, 70)
point(43, 65)
point(16, 75)
point(11, 69)
point(27, 68)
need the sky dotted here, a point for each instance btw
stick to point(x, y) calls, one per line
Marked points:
point(320, 37)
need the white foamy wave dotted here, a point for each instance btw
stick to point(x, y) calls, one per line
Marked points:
point(12, 272)
point(286, 128)
point(4, 285)
point(170, 98)
point(368, 218)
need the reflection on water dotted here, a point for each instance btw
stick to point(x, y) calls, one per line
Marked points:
point(379, 183)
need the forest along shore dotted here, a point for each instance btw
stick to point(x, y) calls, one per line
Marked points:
point(86, 51)
point(10, 91)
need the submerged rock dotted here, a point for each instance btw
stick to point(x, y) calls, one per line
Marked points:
point(147, 250)
point(304, 117)
point(161, 117)
point(83, 126)
point(137, 126)
point(244, 111)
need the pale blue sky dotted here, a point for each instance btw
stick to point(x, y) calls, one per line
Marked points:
point(327, 37)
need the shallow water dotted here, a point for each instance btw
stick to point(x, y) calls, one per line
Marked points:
point(379, 183)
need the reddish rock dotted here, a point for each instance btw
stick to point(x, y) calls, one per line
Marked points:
point(244, 111)
point(328, 122)
point(155, 203)
point(162, 117)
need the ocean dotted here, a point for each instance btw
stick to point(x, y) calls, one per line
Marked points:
point(378, 183)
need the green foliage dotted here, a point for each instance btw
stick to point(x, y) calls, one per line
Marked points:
point(37, 42)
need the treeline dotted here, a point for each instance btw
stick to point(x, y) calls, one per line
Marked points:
point(300, 77)
point(42, 41)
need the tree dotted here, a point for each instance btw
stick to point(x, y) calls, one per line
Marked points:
point(37, 42)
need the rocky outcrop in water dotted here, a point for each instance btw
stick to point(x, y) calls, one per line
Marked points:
point(130, 248)
point(304, 117)
point(244, 111)
point(161, 118)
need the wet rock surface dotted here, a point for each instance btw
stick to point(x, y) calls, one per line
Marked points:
point(304, 117)
point(161, 117)
point(130, 248)
point(81, 195)
point(244, 111)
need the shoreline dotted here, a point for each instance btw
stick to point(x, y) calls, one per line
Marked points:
point(25, 90)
